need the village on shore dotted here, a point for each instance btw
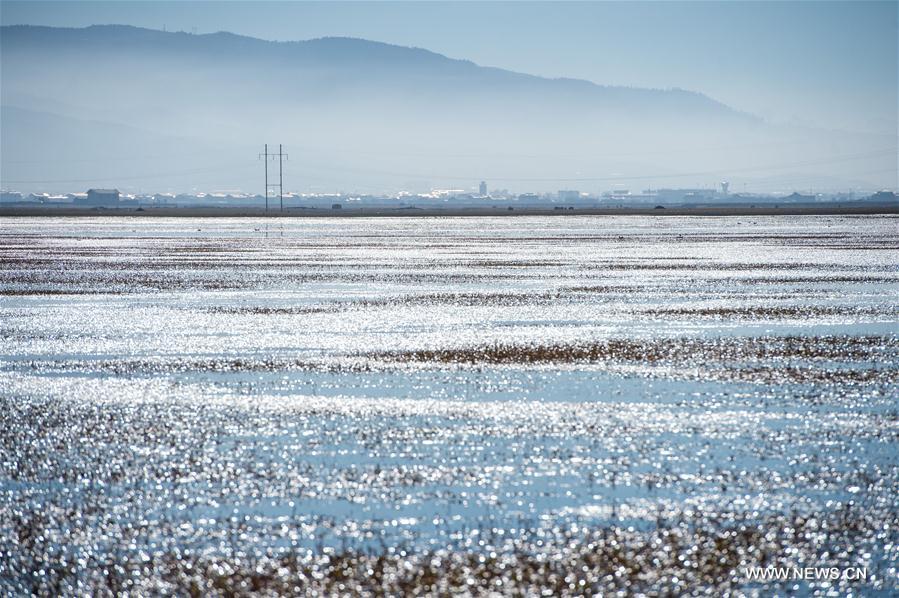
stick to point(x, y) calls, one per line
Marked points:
point(445, 199)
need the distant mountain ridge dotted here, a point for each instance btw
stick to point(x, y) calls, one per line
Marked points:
point(356, 114)
point(344, 53)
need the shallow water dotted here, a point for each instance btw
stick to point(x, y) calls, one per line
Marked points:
point(241, 389)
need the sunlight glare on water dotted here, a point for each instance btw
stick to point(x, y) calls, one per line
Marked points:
point(252, 391)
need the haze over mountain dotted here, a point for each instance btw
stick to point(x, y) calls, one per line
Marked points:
point(163, 111)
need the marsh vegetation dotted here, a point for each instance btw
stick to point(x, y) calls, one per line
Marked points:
point(424, 406)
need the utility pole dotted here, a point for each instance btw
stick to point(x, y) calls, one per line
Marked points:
point(281, 157)
point(265, 159)
point(280, 177)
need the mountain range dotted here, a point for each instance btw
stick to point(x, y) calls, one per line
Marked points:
point(171, 111)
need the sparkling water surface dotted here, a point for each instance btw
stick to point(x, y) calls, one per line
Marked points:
point(246, 390)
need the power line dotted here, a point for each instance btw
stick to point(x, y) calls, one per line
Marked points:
point(424, 151)
point(281, 156)
point(280, 177)
point(720, 172)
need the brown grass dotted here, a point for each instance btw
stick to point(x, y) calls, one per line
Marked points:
point(788, 311)
point(655, 351)
point(54, 292)
point(677, 556)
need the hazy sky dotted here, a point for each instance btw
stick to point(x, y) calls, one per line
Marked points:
point(828, 64)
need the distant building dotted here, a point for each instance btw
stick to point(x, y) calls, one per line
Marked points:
point(569, 195)
point(799, 198)
point(685, 195)
point(482, 188)
point(336, 206)
point(11, 197)
point(885, 196)
point(101, 197)
point(58, 200)
point(447, 193)
point(619, 194)
point(528, 197)
point(164, 198)
point(625, 197)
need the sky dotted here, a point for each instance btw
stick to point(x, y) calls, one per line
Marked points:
point(824, 64)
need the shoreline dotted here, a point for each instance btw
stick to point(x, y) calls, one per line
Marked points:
point(224, 212)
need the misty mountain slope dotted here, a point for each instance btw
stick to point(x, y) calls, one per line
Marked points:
point(367, 115)
point(107, 57)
